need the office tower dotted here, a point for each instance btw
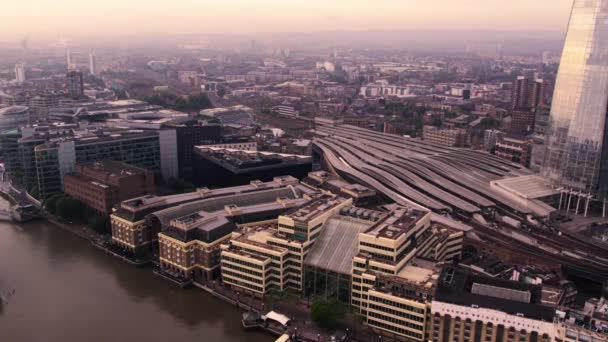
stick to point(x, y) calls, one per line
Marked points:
point(74, 84)
point(92, 65)
point(68, 57)
point(20, 72)
point(575, 157)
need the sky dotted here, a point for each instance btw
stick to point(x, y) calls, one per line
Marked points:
point(115, 17)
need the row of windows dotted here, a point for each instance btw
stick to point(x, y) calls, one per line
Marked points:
point(395, 320)
point(242, 262)
point(226, 266)
point(243, 284)
point(395, 304)
point(367, 244)
point(394, 329)
point(396, 313)
point(360, 265)
point(240, 276)
point(381, 269)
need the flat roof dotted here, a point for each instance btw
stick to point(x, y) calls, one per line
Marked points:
point(530, 187)
point(459, 286)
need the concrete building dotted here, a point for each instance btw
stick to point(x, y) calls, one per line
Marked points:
point(523, 121)
point(75, 85)
point(454, 137)
point(278, 250)
point(468, 307)
point(103, 184)
point(528, 93)
point(395, 271)
point(514, 149)
point(192, 246)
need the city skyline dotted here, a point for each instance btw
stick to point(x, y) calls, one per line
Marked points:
point(70, 17)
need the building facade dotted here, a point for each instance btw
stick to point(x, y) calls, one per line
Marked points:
point(102, 184)
point(575, 154)
point(454, 137)
point(468, 307)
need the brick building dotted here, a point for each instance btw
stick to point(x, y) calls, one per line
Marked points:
point(102, 184)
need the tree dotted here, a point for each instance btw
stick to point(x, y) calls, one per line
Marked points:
point(327, 313)
point(100, 223)
point(437, 122)
point(488, 123)
point(51, 203)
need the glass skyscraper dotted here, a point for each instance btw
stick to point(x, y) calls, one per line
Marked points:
point(575, 156)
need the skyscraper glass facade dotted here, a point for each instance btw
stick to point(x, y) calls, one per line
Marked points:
point(576, 133)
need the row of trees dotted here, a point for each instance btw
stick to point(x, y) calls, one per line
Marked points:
point(71, 209)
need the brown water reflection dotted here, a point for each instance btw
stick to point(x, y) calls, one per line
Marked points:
point(66, 290)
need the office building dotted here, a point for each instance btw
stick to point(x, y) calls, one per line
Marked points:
point(575, 153)
point(395, 271)
point(191, 243)
point(455, 137)
point(52, 160)
point(468, 307)
point(271, 255)
point(20, 72)
point(190, 134)
point(215, 166)
point(92, 64)
point(102, 184)
point(75, 84)
point(137, 222)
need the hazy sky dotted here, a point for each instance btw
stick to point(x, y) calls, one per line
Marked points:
point(84, 17)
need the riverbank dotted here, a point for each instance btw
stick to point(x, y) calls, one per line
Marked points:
point(297, 311)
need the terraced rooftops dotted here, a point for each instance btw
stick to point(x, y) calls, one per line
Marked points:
point(400, 222)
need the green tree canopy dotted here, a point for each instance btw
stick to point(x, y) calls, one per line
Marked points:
point(327, 313)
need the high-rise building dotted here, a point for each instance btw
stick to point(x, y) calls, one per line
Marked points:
point(74, 84)
point(528, 93)
point(68, 59)
point(20, 72)
point(575, 158)
point(92, 64)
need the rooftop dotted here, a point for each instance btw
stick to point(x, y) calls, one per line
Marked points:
point(461, 287)
point(315, 208)
point(399, 222)
point(238, 160)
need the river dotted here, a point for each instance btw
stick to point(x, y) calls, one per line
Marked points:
point(67, 290)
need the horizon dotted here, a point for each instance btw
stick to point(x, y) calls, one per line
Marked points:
point(46, 19)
